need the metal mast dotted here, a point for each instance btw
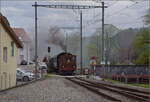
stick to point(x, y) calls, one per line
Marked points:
point(102, 32)
point(81, 41)
point(36, 53)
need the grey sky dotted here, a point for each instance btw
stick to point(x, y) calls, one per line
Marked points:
point(123, 14)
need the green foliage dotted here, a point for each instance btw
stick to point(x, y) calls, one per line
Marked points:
point(141, 44)
point(142, 39)
point(143, 58)
point(147, 18)
point(47, 75)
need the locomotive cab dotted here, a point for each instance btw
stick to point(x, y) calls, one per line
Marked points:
point(63, 63)
point(67, 64)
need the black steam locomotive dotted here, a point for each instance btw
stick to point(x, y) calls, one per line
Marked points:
point(63, 63)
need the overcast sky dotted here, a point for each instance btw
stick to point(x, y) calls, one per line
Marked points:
point(123, 14)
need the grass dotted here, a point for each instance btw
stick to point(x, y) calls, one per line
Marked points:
point(110, 80)
point(47, 75)
point(140, 85)
point(134, 84)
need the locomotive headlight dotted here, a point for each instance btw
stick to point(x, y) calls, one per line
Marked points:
point(74, 66)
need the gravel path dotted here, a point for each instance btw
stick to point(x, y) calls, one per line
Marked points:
point(54, 89)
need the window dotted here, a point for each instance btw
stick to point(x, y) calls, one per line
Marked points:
point(19, 72)
point(5, 54)
point(12, 48)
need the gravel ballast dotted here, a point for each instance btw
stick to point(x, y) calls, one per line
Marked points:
point(54, 89)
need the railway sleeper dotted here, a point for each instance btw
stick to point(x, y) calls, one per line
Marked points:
point(133, 96)
point(119, 87)
point(95, 90)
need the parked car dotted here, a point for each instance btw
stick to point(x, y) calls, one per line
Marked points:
point(24, 76)
point(42, 65)
point(23, 62)
point(31, 62)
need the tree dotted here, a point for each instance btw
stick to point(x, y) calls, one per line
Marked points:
point(147, 18)
point(94, 46)
point(141, 43)
point(142, 40)
point(73, 43)
point(124, 51)
point(143, 58)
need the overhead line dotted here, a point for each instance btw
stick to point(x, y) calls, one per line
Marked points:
point(127, 23)
point(74, 0)
point(121, 23)
point(115, 12)
point(108, 16)
point(70, 6)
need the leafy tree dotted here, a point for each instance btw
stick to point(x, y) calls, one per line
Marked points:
point(94, 46)
point(142, 40)
point(143, 58)
point(122, 51)
point(141, 44)
point(147, 18)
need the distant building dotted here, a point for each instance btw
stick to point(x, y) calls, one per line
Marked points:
point(23, 53)
point(9, 44)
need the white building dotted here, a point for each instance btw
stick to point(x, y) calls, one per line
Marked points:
point(23, 54)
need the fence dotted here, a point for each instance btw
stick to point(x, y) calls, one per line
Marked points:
point(110, 70)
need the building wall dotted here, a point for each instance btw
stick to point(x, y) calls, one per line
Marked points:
point(7, 69)
point(25, 52)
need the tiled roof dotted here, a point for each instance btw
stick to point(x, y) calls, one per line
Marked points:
point(10, 31)
point(21, 33)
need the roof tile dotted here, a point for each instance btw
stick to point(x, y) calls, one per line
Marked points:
point(21, 33)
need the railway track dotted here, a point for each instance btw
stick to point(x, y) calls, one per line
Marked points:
point(127, 92)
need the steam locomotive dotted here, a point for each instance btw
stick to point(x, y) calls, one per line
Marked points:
point(63, 63)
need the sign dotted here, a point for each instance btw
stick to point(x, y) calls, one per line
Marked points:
point(92, 60)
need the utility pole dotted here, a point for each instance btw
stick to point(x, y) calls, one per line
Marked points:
point(102, 60)
point(106, 48)
point(36, 55)
point(81, 41)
